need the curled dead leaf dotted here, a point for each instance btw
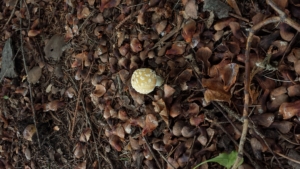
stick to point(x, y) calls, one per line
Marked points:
point(53, 105)
point(34, 75)
point(115, 142)
point(188, 30)
point(85, 135)
point(161, 108)
point(288, 110)
point(178, 48)
point(81, 165)
point(135, 45)
point(29, 131)
point(80, 150)
point(150, 124)
point(33, 33)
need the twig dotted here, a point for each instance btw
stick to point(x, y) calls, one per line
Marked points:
point(234, 6)
point(149, 148)
point(221, 110)
point(90, 125)
point(283, 18)
point(215, 122)
point(76, 109)
point(163, 157)
point(190, 152)
point(29, 84)
point(247, 88)
point(288, 158)
point(239, 17)
point(171, 33)
point(11, 15)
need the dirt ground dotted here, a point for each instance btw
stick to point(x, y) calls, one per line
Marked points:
point(228, 97)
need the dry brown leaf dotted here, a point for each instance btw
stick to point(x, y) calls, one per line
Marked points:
point(115, 142)
point(53, 49)
point(289, 110)
point(202, 55)
point(83, 57)
point(188, 131)
point(264, 119)
point(188, 30)
point(85, 12)
point(221, 24)
point(99, 91)
point(215, 90)
point(29, 131)
point(168, 91)
point(150, 124)
point(282, 4)
point(196, 120)
point(135, 45)
point(161, 26)
point(70, 92)
point(228, 74)
point(34, 75)
point(191, 9)
point(108, 4)
point(134, 143)
point(85, 135)
point(80, 150)
point(161, 108)
point(33, 33)
point(53, 105)
point(286, 32)
point(178, 48)
point(235, 28)
point(177, 128)
point(81, 165)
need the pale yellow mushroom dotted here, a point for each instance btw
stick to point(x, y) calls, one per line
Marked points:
point(144, 80)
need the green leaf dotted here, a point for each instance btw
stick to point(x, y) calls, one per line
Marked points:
point(5, 97)
point(224, 159)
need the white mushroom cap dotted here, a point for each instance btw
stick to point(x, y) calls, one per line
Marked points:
point(144, 80)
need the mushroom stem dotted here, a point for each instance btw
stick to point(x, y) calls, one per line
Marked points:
point(159, 81)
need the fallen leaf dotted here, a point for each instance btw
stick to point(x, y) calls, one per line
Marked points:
point(220, 8)
point(168, 91)
point(191, 9)
point(34, 75)
point(29, 131)
point(283, 126)
point(178, 48)
point(108, 4)
point(85, 135)
point(202, 56)
point(81, 165)
point(33, 33)
point(53, 49)
point(115, 142)
point(7, 62)
point(161, 108)
point(53, 105)
point(80, 150)
point(289, 110)
point(150, 124)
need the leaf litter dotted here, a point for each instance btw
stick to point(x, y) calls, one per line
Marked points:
point(197, 47)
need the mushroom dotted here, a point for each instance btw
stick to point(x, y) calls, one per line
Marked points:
point(144, 80)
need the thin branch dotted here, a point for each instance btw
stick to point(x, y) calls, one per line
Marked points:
point(288, 158)
point(149, 148)
point(29, 84)
point(247, 87)
point(11, 15)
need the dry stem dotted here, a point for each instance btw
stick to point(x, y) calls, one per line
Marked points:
point(29, 84)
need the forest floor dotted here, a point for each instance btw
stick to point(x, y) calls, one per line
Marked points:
point(229, 96)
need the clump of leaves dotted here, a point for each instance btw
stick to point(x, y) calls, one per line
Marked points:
point(224, 159)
